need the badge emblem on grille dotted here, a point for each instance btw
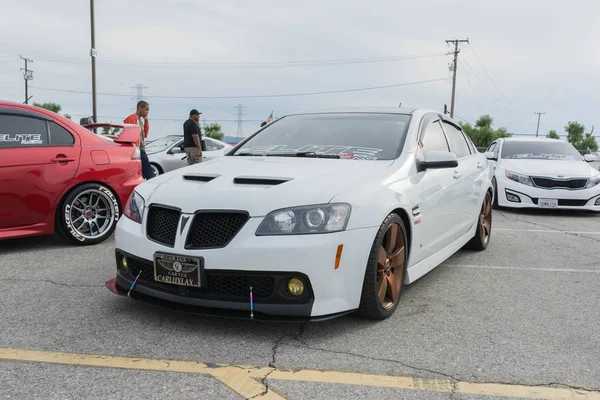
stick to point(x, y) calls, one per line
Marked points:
point(177, 267)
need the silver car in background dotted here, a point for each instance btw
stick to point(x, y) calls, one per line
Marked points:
point(167, 154)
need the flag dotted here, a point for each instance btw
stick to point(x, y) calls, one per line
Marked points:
point(270, 117)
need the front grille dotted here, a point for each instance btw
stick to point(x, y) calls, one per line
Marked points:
point(214, 229)
point(576, 183)
point(162, 225)
point(566, 202)
point(218, 284)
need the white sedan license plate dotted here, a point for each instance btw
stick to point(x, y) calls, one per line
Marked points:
point(177, 270)
point(548, 203)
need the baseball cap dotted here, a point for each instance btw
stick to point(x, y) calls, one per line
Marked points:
point(195, 112)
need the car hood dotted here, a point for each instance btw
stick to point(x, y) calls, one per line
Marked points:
point(550, 168)
point(258, 185)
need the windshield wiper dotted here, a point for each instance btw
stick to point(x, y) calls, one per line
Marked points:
point(247, 153)
point(311, 154)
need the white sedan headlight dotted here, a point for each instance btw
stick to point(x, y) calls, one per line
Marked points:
point(324, 218)
point(592, 182)
point(524, 179)
point(134, 209)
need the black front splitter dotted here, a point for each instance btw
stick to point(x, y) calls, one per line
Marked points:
point(217, 312)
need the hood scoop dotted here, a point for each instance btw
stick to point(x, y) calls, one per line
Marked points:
point(259, 180)
point(200, 177)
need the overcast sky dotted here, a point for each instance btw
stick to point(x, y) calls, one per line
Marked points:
point(540, 55)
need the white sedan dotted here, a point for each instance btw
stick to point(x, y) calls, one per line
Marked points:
point(313, 216)
point(167, 153)
point(543, 173)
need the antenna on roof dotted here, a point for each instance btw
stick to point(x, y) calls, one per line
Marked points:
point(400, 105)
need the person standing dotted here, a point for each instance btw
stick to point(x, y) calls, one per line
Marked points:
point(192, 138)
point(140, 117)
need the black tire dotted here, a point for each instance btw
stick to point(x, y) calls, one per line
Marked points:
point(482, 235)
point(495, 203)
point(157, 169)
point(88, 214)
point(370, 304)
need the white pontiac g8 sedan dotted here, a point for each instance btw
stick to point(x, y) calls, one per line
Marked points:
point(315, 215)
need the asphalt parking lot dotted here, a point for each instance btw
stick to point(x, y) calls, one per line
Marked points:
point(519, 320)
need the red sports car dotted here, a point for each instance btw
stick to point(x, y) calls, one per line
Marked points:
point(57, 176)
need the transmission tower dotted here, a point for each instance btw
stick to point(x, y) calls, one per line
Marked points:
point(239, 113)
point(139, 88)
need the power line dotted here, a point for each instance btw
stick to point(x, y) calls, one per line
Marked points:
point(454, 66)
point(491, 80)
point(273, 64)
point(256, 96)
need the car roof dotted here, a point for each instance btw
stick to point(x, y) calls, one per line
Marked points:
point(531, 139)
point(386, 110)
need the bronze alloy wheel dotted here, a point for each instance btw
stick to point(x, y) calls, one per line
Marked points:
point(485, 219)
point(391, 266)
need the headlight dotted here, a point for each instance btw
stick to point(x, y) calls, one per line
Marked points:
point(324, 218)
point(134, 209)
point(525, 180)
point(593, 182)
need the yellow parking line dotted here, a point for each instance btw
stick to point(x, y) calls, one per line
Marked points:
point(245, 380)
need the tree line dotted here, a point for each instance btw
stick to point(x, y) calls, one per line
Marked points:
point(483, 134)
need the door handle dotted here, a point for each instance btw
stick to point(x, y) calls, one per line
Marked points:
point(457, 175)
point(479, 165)
point(62, 159)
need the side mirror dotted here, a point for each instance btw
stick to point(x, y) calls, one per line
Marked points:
point(176, 150)
point(439, 159)
point(589, 157)
point(491, 156)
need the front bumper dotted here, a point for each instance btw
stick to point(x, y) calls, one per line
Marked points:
point(515, 195)
point(329, 292)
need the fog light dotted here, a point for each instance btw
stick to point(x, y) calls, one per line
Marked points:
point(597, 203)
point(124, 262)
point(295, 287)
point(513, 198)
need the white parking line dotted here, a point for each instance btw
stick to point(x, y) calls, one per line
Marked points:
point(589, 271)
point(544, 231)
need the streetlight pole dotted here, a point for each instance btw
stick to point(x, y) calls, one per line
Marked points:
point(93, 55)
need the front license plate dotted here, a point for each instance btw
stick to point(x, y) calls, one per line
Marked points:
point(548, 203)
point(177, 270)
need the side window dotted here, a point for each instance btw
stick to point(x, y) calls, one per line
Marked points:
point(434, 139)
point(17, 131)
point(59, 136)
point(458, 144)
point(492, 147)
point(470, 143)
point(212, 145)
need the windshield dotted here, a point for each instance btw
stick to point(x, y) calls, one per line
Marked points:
point(351, 135)
point(161, 144)
point(539, 150)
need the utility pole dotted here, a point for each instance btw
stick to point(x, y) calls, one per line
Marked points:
point(240, 113)
point(538, 124)
point(93, 54)
point(456, 51)
point(27, 76)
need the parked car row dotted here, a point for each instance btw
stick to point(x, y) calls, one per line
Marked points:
point(313, 216)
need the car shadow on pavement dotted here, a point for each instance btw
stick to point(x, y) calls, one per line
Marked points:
point(21, 245)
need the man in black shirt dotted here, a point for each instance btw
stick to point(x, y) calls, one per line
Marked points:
point(192, 138)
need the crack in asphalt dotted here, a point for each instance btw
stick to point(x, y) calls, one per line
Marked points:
point(49, 281)
point(274, 350)
point(454, 380)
